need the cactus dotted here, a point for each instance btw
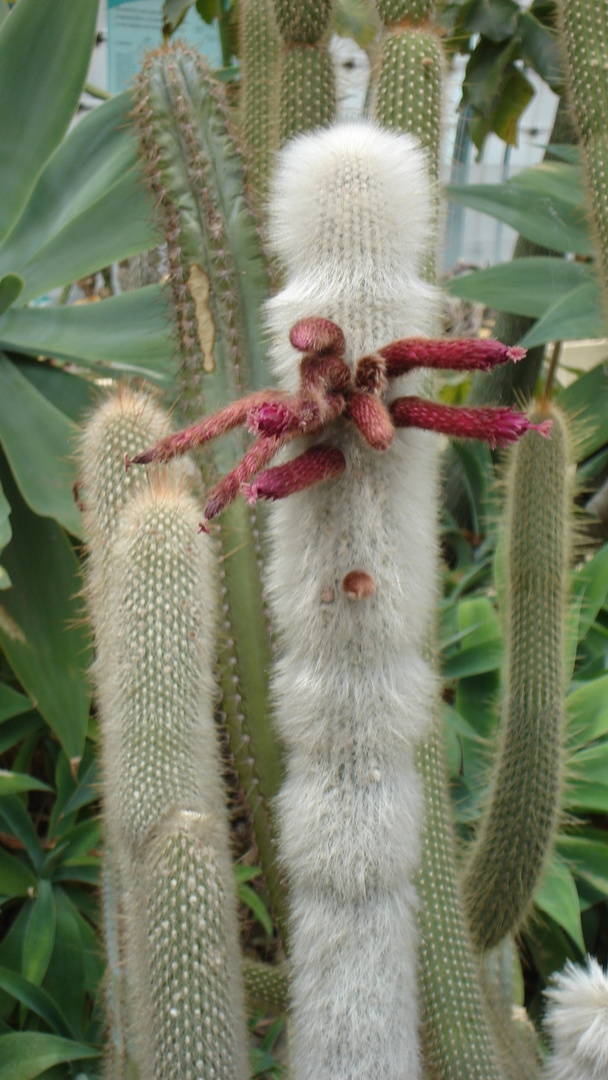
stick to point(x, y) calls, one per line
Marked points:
point(517, 832)
point(383, 977)
point(584, 33)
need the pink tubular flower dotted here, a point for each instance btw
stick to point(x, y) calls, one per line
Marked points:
point(328, 390)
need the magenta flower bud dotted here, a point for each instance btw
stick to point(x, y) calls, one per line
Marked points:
point(316, 335)
point(460, 354)
point(372, 418)
point(314, 465)
point(497, 427)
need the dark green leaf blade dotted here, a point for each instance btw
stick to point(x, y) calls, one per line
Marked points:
point(37, 440)
point(44, 56)
point(26, 1054)
point(48, 652)
point(11, 286)
point(527, 286)
point(13, 782)
point(36, 999)
point(577, 314)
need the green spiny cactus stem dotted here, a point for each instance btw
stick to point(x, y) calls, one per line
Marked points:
point(266, 985)
point(259, 37)
point(308, 90)
point(400, 11)
point(219, 281)
point(302, 22)
point(519, 825)
point(163, 794)
point(584, 31)
point(456, 1039)
point(408, 88)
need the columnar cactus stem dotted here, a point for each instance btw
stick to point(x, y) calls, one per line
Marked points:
point(308, 89)
point(584, 30)
point(163, 795)
point(259, 39)
point(219, 282)
point(518, 828)
point(354, 692)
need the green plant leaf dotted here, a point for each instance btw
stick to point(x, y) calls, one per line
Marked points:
point(548, 221)
point(586, 787)
point(588, 859)
point(88, 208)
point(13, 782)
point(587, 707)
point(558, 898)
point(37, 440)
point(16, 878)
point(576, 315)
point(516, 94)
point(127, 333)
point(26, 1054)
point(539, 49)
point(11, 702)
point(39, 937)
point(256, 905)
point(485, 75)
point(48, 652)
point(589, 590)
point(174, 12)
point(73, 395)
point(11, 286)
point(586, 402)
point(44, 57)
point(495, 19)
point(527, 286)
point(36, 999)
point(18, 822)
point(556, 179)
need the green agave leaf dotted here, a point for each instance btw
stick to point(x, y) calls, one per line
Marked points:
point(586, 401)
point(13, 782)
point(587, 707)
point(39, 937)
point(37, 440)
point(11, 286)
point(4, 10)
point(576, 315)
point(558, 898)
point(527, 286)
point(36, 999)
point(588, 859)
point(97, 155)
point(548, 221)
point(16, 878)
point(48, 652)
point(565, 152)
point(73, 395)
point(44, 57)
point(555, 178)
point(11, 702)
point(127, 333)
point(26, 1054)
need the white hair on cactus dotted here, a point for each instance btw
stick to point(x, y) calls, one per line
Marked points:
point(577, 1019)
point(354, 692)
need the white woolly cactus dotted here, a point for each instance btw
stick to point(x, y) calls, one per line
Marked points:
point(577, 1019)
point(354, 584)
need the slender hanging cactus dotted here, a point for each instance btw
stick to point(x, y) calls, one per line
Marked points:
point(384, 979)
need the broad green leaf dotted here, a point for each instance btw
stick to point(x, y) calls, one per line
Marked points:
point(485, 74)
point(98, 154)
point(590, 586)
point(174, 12)
point(557, 897)
point(578, 314)
point(586, 787)
point(565, 152)
point(44, 57)
point(588, 859)
point(11, 702)
point(515, 95)
point(36, 999)
point(586, 402)
point(48, 652)
point(540, 50)
point(19, 728)
point(555, 178)
point(11, 286)
point(66, 978)
point(87, 790)
point(13, 782)
point(587, 707)
point(481, 650)
point(39, 937)
point(527, 286)
point(495, 19)
point(127, 333)
point(474, 661)
point(4, 10)
point(38, 442)
point(5, 535)
point(550, 222)
point(16, 878)
point(26, 1054)
point(477, 472)
point(73, 395)
point(18, 823)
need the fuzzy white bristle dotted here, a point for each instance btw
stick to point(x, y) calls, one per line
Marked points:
point(577, 1019)
point(354, 692)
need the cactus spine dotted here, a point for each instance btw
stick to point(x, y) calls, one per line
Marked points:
point(219, 282)
point(518, 828)
point(308, 90)
point(354, 693)
point(168, 836)
point(584, 30)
